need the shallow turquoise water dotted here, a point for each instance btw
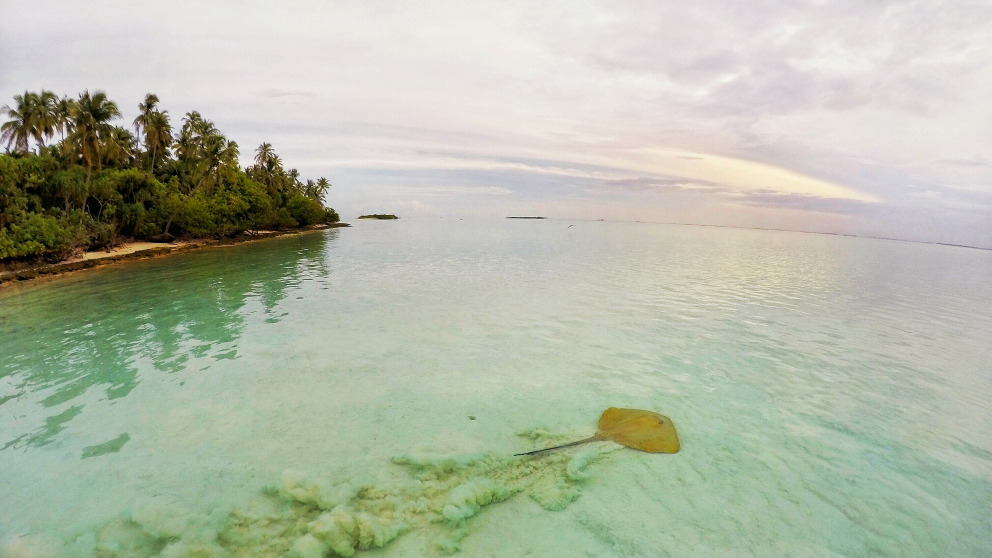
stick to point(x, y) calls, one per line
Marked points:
point(832, 394)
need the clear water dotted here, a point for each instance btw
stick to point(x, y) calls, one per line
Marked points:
point(833, 396)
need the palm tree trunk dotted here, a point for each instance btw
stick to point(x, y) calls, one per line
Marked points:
point(168, 223)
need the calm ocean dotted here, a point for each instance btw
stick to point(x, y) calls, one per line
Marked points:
point(364, 389)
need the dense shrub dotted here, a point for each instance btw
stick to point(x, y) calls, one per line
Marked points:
point(195, 218)
point(240, 205)
point(37, 236)
point(283, 220)
point(304, 210)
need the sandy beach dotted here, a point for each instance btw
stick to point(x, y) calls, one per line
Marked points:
point(123, 250)
point(138, 250)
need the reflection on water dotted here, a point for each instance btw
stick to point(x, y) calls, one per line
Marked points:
point(84, 333)
point(832, 395)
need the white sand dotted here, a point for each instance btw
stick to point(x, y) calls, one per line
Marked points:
point(124, 249)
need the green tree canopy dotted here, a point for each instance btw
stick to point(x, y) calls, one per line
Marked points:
point(102, 182)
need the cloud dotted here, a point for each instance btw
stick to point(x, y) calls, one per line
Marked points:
point(448, 191)
point(768, 104)
point(641, 184)
point(276, 93)
point(976, 161)
point(754, 198)
point(810, 203)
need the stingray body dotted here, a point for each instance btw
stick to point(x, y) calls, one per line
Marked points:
point(634, 428)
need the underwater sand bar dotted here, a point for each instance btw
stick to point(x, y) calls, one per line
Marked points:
point(142, 250)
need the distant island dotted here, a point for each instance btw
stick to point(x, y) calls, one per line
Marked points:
point(382, 216)
point(100, 184)
point(526, 217)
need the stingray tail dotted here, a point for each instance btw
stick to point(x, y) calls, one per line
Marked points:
point(592, 439)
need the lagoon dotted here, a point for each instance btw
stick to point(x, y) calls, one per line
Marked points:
point(832, 396)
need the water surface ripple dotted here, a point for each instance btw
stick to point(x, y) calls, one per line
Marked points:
point(832, 394)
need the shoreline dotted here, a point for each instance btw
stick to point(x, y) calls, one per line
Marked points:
point(139, 251)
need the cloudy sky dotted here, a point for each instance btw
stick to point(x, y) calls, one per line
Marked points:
point(865, 117)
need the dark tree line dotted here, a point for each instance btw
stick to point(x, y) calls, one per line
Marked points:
point(72, 179)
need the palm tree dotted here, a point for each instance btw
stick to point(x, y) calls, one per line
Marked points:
point(63, 114)
point(264, 154)
point(44, 117)
point(119, 146)
point(273, 172)
point(153, 123)
point(201, 148)
point(203, 151)
point(230, 154)
point(145, 110)
point(267, 168)
point(36, 116)
point(192, 137)
point(293, 180)
point(316, 190)
point(274, 165)
point(218, 152)
point(19, 128)
point(322, 186)
point(90, 127)
point(158, 135)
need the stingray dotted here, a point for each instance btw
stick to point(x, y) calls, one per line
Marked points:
point(634, 428)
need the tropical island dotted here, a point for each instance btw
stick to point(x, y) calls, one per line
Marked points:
point(382, 216)
point(71, 180)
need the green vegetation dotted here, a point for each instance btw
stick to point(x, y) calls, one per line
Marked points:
point(89, 183)
point(378, 216)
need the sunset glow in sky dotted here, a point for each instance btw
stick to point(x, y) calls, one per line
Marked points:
point(851, 117)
